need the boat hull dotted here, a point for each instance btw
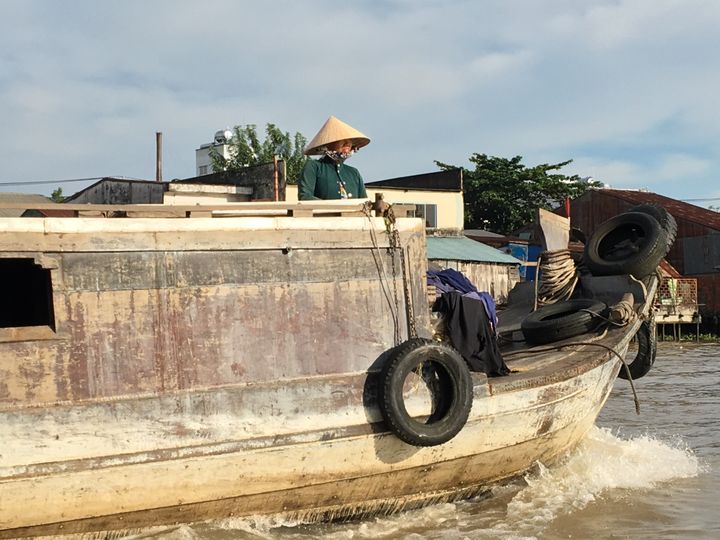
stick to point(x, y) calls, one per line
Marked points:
point(338, 472)
point(197, 369)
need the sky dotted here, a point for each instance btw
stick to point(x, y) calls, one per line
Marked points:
point(628, 90)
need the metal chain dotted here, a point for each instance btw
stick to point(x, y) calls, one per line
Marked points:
point(410, 312)
point(393, 242)
point(396, 246)
point(394, 310)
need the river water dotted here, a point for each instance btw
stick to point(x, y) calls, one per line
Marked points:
point(652, 476)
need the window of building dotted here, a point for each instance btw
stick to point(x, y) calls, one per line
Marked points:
point(203, 169)
point(26, 292)
point(426, 211)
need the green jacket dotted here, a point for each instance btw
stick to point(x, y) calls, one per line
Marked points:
point(321, 179)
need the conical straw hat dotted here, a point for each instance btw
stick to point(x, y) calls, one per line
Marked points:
point(332, 131)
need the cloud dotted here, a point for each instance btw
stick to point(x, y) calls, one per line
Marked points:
point(655, 175)
point(626, 88)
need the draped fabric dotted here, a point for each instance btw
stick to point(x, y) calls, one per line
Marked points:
point(451, 280)
point(471, 332)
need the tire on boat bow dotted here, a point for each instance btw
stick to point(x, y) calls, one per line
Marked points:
point(664, 218)
point(445, 373)
point(561, 320)
point(630, 243)
point(646, 338)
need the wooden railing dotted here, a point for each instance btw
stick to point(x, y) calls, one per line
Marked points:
point(295, 209)
point(676, 301)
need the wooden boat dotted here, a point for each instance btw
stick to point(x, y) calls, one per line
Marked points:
point(158, 370)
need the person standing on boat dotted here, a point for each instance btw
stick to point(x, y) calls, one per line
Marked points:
point(329, 177)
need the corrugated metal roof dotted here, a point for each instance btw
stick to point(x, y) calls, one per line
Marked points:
point(20, 198)
point(679, 209)
point(435, 181)
point(459, 248)
point(49, 213)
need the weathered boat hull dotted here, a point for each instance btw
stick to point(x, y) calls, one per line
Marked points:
point(337, 471)
point(204, 368)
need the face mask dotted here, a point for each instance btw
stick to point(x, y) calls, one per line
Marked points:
point(338, 157)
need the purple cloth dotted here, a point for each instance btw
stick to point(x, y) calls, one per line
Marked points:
point(433, 279)
point(454, 279)
point(450, 280)
point(470, 332)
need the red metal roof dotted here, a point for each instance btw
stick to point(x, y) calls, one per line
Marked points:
point(57, 213)
point(679, 209)
point(669, 270)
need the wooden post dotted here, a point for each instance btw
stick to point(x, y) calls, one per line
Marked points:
point(158, 156)
point(380, 206)
point(275, 176)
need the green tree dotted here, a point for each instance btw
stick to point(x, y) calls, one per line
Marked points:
point(246, 149)
point(57, 195)
point(502, 194)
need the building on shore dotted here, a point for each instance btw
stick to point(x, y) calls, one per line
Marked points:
point(690, 290)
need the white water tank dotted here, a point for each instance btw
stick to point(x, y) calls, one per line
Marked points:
point(220, 144)
point(223, 136)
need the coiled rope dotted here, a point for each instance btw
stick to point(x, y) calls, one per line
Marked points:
point(556, 277)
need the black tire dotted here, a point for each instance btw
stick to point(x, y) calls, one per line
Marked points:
point(647, 350)
point(561, 320)
point(577, 235)
point(444, 369)
point(663, 217)
point(629, 243)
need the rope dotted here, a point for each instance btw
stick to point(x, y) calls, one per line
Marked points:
point(559, 276)
point(642, 285)
point(622, 313)
point(588, 343)
point(396, 247)
point(609, 321)
point(380, 265)
point(409, 309)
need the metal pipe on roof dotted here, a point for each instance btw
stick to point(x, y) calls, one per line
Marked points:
point(158, 156)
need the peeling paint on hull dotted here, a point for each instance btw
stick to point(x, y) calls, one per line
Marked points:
point(171, 394)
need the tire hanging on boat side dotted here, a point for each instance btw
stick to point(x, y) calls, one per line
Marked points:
point(561, 320)
point(646, 338)
point(442, 368)
point(630, 243)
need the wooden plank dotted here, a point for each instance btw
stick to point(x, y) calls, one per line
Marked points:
point(330, 206)
point(298, 209)
point(155, 270)
point(66, 234)
point(555, 229)
point(27, 333)
point(156, 214)
point(301, 212)
point(176, 241)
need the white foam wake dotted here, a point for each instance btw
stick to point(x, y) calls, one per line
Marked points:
point(604, 465)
